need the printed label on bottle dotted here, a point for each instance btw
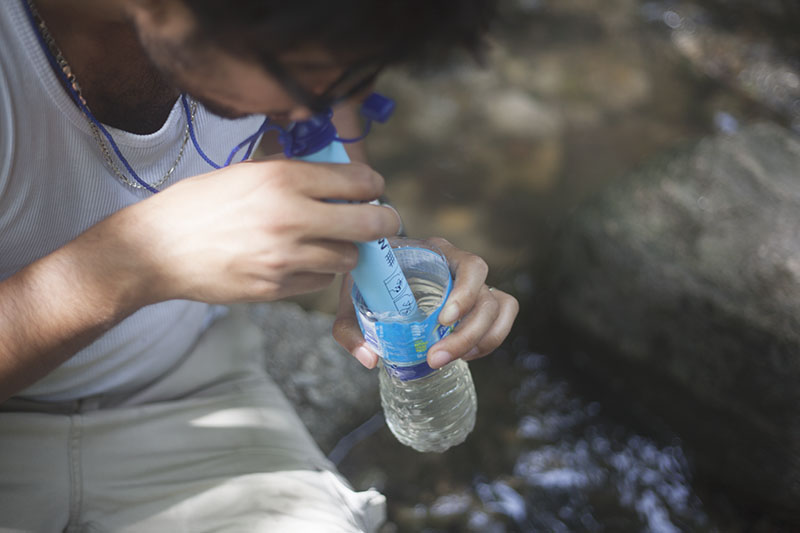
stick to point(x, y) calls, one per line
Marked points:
point(405, 343)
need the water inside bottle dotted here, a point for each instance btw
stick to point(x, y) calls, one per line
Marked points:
point(428, 294)
point(433, 413)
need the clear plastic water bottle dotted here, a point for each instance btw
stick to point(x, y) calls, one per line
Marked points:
point(431, 413)
point(426, 409)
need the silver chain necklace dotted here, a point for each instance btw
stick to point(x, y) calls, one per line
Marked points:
point(101, 142)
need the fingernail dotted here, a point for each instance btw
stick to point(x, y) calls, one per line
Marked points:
point(449, 314)
point(439, 359)
point(364, 357)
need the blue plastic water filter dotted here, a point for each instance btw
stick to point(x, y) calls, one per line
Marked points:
point(377, 275)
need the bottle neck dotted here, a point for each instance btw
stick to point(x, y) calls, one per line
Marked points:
point(408, 373)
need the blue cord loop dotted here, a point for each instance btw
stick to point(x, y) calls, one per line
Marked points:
point(309, 136)
point(376, 108)
point(367, 127)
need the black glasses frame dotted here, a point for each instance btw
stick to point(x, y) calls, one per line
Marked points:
point(353, 80)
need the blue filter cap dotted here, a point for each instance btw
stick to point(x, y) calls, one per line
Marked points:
point(310, 136)
point(377, 107)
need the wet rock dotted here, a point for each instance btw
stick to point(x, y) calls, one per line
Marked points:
point(683, 282)
point(331, 391)
point(747, 45)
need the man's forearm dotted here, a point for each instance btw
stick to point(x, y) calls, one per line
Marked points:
point(53, 308)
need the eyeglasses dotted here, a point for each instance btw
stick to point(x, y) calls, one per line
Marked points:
point(353, 80)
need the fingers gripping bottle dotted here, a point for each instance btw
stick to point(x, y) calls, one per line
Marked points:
point(398, 293)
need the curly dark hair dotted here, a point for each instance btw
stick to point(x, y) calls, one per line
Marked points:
point(395, 30)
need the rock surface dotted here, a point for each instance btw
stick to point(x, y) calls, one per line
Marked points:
point(685, 281)
point(331, 391)
point(749, 46)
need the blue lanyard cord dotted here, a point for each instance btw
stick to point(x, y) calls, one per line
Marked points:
point(367, 127)
point(251, 141)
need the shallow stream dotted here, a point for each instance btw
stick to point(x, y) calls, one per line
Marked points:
point(577, 92)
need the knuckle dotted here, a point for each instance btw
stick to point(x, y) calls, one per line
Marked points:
point(488, 306)
point(467, 339)
point(277, 172)
point(282, 222)
point(490, 342)
point(439, 242)
point(277, 263)
point(472, 342)
point(280, 174)
point(372, 179)
point(479, 264)
point(397, 222)
point(264, 289)
point(506, 302)
point(349, 258)
point(336, 329)
point(375, 225)
point(277, 226)
point(340, 331)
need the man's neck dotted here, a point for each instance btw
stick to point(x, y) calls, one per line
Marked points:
point(119, 83)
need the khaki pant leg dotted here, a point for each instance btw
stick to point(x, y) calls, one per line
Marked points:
point(237, 462)
point(37, 482)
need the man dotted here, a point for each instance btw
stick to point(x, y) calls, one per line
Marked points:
point(129, 403)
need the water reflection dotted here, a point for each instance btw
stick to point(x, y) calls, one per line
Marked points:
point(570, 467)
point(581, 472)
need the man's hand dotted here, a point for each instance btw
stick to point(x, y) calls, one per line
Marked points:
point(486, 314)
point(252, 231)
point(255, 231)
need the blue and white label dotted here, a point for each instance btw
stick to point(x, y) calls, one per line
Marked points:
point(403, 343)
